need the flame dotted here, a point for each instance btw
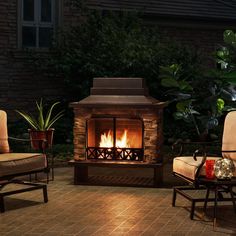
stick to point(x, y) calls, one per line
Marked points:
point(107, 140)
point(123, 142)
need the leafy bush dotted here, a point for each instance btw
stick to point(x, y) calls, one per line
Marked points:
point(203, 101)
point(226, 55)
point(116, 45)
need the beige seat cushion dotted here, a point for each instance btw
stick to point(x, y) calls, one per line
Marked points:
point(187, 166)
point(16, 163)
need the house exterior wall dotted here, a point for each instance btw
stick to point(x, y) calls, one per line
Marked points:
point(20, 85)
point(205, 40)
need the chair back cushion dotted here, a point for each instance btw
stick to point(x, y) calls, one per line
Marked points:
point(229, 136)
point(4, 145)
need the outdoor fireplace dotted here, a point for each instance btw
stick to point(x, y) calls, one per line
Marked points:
point(118, 124)
point(118, 108)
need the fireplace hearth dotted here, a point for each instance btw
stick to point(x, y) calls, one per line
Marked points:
point(118, 122)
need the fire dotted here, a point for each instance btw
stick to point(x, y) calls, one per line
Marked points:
point(107, 140)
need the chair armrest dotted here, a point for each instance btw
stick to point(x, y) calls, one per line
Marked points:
point(42, 142)
point(19, 139)
point(228, 150)
point(26, 140)
point(196, 152)
point(204, 157)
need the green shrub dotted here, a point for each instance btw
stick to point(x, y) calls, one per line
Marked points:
point(203, 100)
point(116, 45)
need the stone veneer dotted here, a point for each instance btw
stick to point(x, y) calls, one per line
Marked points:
point(152, 123)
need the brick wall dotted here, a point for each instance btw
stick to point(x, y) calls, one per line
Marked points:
point(206, 40)
point(20, 85)
point(4, 42)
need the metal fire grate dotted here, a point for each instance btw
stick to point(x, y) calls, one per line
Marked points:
point(133, 154)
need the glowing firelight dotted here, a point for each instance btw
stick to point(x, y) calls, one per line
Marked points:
point(107, 140)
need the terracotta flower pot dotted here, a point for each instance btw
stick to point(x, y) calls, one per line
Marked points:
point(41, 139)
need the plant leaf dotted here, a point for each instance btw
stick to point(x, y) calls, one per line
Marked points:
point(179, 115)
point(183, 105)
point(40, 115)
point(30, 119)
point(48, 116)
point(183, 85)
point(169, 82)
point(56, 117)
point(220, 104)
point(229, 37)
point(41, 123)
point(230, 77)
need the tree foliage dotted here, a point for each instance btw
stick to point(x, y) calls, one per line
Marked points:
point(201, 102)
point(117, 45)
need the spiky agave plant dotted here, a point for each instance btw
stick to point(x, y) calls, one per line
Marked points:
point(43, 122)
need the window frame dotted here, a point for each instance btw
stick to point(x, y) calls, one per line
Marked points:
point(37, 23)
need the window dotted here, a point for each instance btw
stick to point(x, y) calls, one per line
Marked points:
point(36, 23)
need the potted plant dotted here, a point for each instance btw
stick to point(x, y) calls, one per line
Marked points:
point(41, 132)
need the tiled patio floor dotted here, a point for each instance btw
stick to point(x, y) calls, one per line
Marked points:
point(103, 210)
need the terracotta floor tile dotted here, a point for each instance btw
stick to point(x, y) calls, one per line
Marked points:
point(75, 210)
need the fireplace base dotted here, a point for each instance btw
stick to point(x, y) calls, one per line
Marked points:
point(81, 169)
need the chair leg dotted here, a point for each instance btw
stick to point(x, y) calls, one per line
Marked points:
point(174, 197)
point(192, 210)
point(233, 199)
point(2, 207)
point(52, 167)
point(31, 187)
point(206, 200)
point(45, 194)
point(215, 207)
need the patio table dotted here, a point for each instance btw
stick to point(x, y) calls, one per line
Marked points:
point(218, 186)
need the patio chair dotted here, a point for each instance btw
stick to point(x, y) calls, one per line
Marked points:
point(13, 165)
point(192, 168)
